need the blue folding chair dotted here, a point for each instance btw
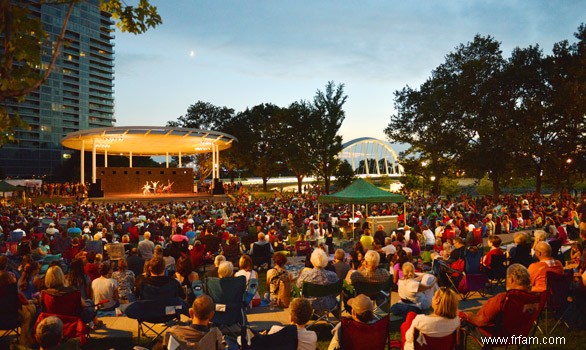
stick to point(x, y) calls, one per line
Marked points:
point(228, 295)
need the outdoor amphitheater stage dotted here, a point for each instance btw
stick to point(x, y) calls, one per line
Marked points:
point(160, 197)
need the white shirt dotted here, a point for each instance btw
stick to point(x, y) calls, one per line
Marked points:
point(439, 231)
point(104, 289)
point(306, 340)
point(389, 249)
point(429, 237)
point(433, 326)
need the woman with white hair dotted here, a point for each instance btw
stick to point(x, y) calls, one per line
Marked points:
point(226, 269)
point(319, 275)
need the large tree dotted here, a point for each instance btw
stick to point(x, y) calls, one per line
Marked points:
point(24, 40)
point(295, 140)
point(265, 147)
point(205, 116)
point(325, 124)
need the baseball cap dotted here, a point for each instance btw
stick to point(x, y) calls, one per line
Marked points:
point(361, 303)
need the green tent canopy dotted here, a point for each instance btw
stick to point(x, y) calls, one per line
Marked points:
point(361, 192)
point(7, 187)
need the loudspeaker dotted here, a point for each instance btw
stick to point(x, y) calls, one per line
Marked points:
point(95, 190)
point(218, 187)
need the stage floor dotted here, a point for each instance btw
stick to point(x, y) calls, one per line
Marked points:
point(161, 197)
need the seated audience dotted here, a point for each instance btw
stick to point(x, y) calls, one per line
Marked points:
point(340, 264)
point(105, 289)
point(214, 271)
point(442, 322)
point(125, 279)
point(226, 269)
point(490, 313)
point(494, 242)
point(300, 313)
point(157, 285)
point(416, 290)
point(276, 274)
point(520, 253)
point(192, 336)
point(538, 270)
point(319, 275)
point(49, 335)
point(362, 311)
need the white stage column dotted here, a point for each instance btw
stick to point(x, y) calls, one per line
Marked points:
point(213, 162)
point(106, 158)
point(82, 156)
point(217, 161)
point(180, 160)
point(93, 161)
point(130, 164)
point(167, 160)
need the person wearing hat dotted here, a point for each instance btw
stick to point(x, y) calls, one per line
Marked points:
point(362, 311)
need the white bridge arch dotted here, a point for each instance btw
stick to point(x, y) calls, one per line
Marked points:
point(371, 157)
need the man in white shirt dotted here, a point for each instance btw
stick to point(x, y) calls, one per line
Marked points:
point(301, 310)
point(105, 288)
point(389, 248)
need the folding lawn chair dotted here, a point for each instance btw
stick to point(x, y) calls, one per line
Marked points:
point(312, 291)
point(228, 295)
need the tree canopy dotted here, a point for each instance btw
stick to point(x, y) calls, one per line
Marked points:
point(24, 39)
point(482, 114)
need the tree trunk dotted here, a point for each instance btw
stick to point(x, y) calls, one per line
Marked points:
point(538, 180)
point(299, 182)
point(496, 186)
point(327, 184)
point(264, 183)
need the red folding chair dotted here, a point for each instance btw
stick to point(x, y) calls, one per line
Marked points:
point(557, 304)
point(519, 312)
point(423, 341)
point(357, 335)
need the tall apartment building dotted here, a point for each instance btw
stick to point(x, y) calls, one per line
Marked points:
point(78, 94)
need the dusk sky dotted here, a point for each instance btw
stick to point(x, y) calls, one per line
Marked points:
point(242, 53)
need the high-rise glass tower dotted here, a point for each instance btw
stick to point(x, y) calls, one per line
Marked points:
point(78, 94)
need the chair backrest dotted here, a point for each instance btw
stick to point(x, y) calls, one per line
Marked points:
point(228, 295)
point(73, 326)
point(498, 269)
point(68, 304)
point(519, 312)
point(197, 288)
point(251, 289)
point(261, 250)
point(9, 305)
point(558, 288)
point(115, 251)
point(477, 236)
point(373, 289)
point(357, 335)
point(472, 260)
point(285, 339)
point(423, 341)
point(556, 246)
point(94, 246)
point(212, 243)
point(156, 310)
point(320, 290)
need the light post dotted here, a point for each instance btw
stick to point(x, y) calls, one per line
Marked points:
point(432, 178)
point(423, 165)
point(568, 164)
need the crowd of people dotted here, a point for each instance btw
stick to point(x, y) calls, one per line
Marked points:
point(56, 252)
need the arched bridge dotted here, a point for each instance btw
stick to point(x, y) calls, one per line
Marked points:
point(371, 157)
